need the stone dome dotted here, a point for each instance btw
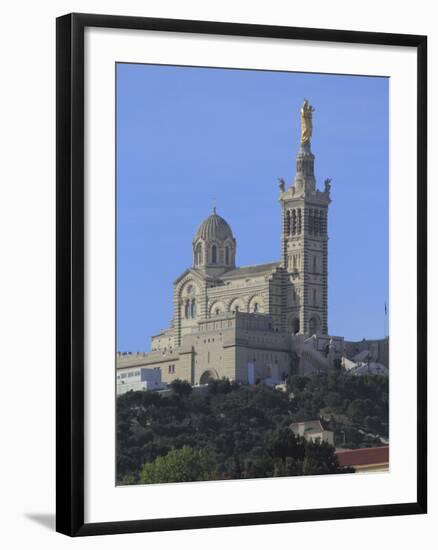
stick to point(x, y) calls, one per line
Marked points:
point(214, 228)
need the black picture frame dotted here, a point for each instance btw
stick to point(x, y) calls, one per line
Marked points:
point(70, 273)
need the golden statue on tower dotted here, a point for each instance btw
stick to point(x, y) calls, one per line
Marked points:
point(306, 122)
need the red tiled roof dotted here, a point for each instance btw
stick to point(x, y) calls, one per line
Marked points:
point(363, 457)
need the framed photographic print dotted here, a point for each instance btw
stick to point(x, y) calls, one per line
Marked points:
point(241, 274)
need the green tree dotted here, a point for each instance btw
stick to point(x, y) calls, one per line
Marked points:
point(244, 430)
point(185, 464)
point(333, 399)
point(219, 386)
point(320, 458)
point(283, 444)
point(181, 387)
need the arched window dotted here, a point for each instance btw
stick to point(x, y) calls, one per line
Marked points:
point(287, 228)
point(313, 325)
point(187, 309)
point(310, 220)
point(321, 222)
point(227, 255)
point(296, 325)
point(256, 307)
point(213, 254)
point(294, 222)
point(193, 309)
point(199, 254)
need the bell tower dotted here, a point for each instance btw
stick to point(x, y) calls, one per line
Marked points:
point(304, 239)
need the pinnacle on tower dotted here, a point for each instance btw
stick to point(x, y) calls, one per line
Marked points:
point(305, 176)
point(306, 123)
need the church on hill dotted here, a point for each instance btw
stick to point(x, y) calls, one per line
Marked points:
point(253, 322)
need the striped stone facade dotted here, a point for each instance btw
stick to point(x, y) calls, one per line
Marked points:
point(246, 322)
point(305, 248)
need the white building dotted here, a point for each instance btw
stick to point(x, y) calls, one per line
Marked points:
point(137, 378)
point(312, 430)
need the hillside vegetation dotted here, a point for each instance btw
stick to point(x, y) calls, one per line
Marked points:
point(231, 431)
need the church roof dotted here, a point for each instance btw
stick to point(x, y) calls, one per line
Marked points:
point(250, 270)
point(198, 273)
point(214, 228)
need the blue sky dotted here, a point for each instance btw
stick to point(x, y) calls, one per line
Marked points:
point(186, 135)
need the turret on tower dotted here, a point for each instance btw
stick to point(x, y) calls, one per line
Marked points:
point(214, 247)
point(305, 239)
